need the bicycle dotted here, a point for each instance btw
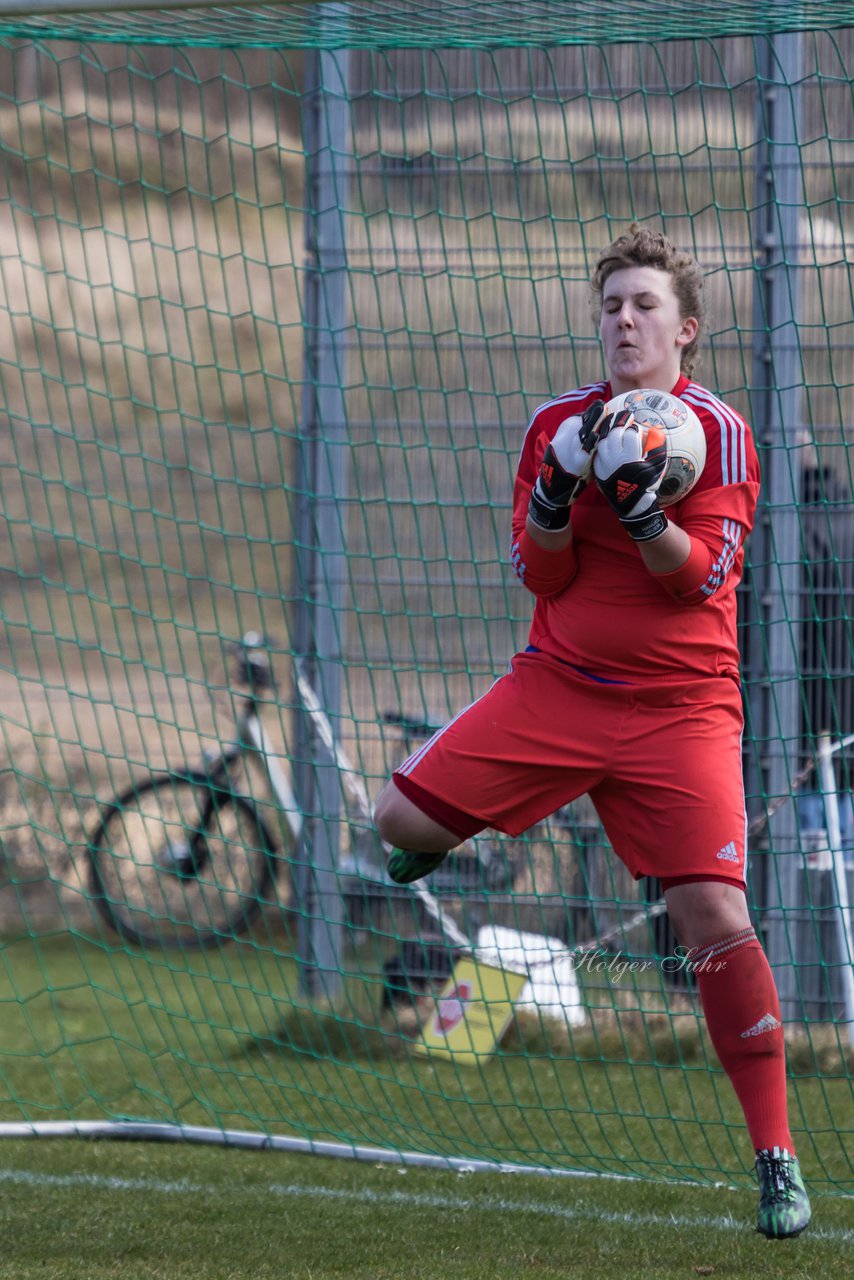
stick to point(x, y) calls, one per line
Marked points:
point(186, 857)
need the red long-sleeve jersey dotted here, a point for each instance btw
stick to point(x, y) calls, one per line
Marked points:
point(597, 605)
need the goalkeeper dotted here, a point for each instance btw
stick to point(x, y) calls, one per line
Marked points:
point(629, 687)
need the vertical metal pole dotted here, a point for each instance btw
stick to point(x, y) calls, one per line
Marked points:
point(775, 550)
point(323, 470)
point(841, 903)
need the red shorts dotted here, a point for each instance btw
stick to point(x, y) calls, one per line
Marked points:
point(661, 763)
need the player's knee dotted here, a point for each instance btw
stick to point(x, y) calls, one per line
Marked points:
point(384, 812)
point(404, 826)
point(704, 911)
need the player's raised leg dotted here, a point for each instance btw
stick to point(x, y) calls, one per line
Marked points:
point(515, 754)
point(419, 843)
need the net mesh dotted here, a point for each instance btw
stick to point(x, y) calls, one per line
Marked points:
point(397, 24)
point(273, 325)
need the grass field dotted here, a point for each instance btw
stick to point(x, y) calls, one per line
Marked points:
point(103, 1210)
point(213, 1039)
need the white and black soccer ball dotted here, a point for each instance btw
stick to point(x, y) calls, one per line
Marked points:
point(658, 411)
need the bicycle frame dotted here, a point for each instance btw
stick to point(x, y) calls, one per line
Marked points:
point(253, 739)
point(357, 793)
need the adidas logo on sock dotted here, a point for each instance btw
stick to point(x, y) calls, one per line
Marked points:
point(728, 853)
point(766, 1023)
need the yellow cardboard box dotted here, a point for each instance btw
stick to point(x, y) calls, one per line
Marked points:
point(472, 1012)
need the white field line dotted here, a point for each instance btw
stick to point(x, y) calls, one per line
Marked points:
point(404, 1199)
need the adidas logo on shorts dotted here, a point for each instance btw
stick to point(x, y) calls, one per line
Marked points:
point(728, 853)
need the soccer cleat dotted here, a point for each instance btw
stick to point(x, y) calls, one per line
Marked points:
point(784, 1207)
point(404, 865)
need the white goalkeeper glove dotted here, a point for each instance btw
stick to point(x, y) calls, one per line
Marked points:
point(565, 467)
point(628, 473)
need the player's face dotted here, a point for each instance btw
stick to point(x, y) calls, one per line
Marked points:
point(642, 332)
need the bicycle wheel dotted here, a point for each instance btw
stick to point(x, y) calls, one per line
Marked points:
point(177, 860)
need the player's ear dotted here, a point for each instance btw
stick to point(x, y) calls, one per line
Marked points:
point(688, 331)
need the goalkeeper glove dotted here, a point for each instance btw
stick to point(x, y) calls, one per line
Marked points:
point(628, 469)
point(565, 467)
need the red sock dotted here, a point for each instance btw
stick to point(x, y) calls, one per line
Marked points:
point(743, 1017)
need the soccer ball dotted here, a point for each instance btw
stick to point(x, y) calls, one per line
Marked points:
point(660, 413)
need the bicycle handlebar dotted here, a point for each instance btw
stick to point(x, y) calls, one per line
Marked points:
point(253, 662)
point(255, 670)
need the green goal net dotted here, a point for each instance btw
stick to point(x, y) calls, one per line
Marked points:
point(279, 289)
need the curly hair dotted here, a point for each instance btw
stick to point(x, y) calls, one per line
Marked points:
point(642, 247)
